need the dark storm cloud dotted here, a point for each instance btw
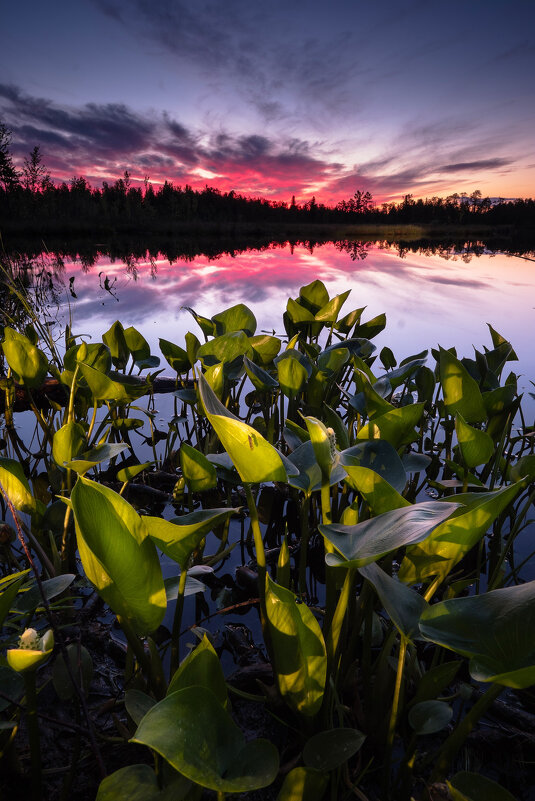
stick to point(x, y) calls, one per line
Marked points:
point(74, 140)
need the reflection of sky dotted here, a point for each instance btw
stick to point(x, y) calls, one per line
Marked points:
point(428, 300)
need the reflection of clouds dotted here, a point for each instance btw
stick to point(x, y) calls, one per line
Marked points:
point(427, 300)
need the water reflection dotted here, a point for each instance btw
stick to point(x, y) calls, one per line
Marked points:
point(434, 293)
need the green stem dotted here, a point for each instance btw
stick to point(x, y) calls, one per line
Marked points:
point(33, 733)
point(459, 735)
point(395, 708)
point(177, 621)
point(305, 534)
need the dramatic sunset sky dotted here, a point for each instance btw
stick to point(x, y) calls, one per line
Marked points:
point(277, 98)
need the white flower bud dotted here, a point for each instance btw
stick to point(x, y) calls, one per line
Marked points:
point(30, 640)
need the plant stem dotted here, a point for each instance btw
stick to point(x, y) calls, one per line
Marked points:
point(33, 733)
point(177, 621)
point(395, 708)
point(461, 732)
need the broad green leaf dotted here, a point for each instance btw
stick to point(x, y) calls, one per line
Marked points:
point(118, 556)
point(524, 467)
point(498, 400)
point(466, 786)
point(428, 717)
point(265, 348)
point(51, 588)
point(476, 446)
point(403, 605)
point(97, 455)
point(381, 457)
point(140, 783)
point(137, 704)
point(206, 325)
point(225, 348)
point(314, 296)
point(346, 323)
point(96, 355)
point(303, 784)
point(176, 357)
point(68, 441)
point(113, 387)
point(396, 426)
point(331, 361)
point(254, 458)
point(130, 472)
point(334, 421)
point(329, 749)
point(435, 680)
point(323, 443)
point(461, 392)
point(114, 338)
point(191, 730)
point(136, 344)
point(367, 541)
point(330, 311)
point(371, 328)
point(179, 537)
point(28, 363)
point(261, 379)
point(17, 487)
point(292, 376)
point(307, 473)
point(198, 472)
point(298, 650)
point(201, 668)
point(237, 318)
point(375, 404)
point(456, 536)
point(378, 493)
point(495, 631)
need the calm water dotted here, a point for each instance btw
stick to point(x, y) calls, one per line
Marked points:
point(428, 299)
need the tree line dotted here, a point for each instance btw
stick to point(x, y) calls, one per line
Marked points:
point(30, 201)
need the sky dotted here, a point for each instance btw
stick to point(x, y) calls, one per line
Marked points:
point(280, 98)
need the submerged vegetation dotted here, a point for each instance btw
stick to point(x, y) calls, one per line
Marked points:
point(371, 510)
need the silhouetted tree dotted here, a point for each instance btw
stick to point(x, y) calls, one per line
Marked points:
point(34, 174)
point(9, 176)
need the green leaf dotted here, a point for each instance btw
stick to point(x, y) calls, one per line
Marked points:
point(30, 600)
point(428, 717)
point(130, 472)
point(456, 536)
point(68, 441)
point(265, 348)
point(176, 357)
point(137, 704)
point(17, 487)
point(118, 556)
point(206, 325)
point(237, 318)
point(136, 344)
point(198, 472)
point(7, 597)
point(496, 631)
point(328, 750)
point(191, 730)
point(330, 311)
point(476, 446)
point(140, 783)
point(314, 296)
point(466, 786)
point(260, 378)
point(378, 493)
point(403, 605)
point(371, 328)
point(381, 457)
point(367, 541)
point(321, 439)
point(179, 537)
point(201, 668)
point(461, 392)
point(303, 784)
point(254, 458)
point(28, 363)
point(95, 355)
point(113, 387)
point(435, 680)
point(97, 455)
point(298, 649)
point(292, 376)
point(396, 426)
point(81, 666)
point(225, 348)
point(114, 338)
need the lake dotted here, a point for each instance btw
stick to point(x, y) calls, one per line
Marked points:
point(429, 298)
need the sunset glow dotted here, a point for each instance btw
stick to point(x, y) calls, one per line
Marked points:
point(276, 100)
